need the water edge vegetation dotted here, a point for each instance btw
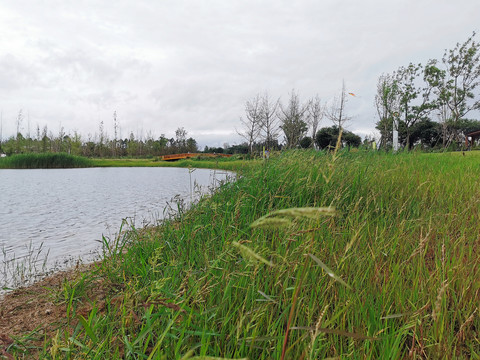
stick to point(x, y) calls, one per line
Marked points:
point(63, 160)
point(44, 161)
point(360, 254)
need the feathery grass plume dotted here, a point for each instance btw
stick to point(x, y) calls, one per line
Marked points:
point(315, 332)
point(250, 254)
point(283, 217)
point(423, 241)
point(273, 223)
point(438, 302)
point(329, 271)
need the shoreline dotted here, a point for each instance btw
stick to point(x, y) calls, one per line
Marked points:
point(35, 307)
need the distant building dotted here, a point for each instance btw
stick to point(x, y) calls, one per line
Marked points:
point(471, 137)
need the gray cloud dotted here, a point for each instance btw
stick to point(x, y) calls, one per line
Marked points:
point(166, 64)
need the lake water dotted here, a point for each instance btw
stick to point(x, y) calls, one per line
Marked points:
point(65, 212)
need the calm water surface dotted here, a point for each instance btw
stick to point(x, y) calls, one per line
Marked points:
point(65, 212)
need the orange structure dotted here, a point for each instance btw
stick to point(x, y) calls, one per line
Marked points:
point(173, 157)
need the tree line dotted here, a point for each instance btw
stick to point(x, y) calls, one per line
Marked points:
point(97, 145)
point(428, 105)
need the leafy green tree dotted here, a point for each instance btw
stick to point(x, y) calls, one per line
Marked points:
point(327, 138)
point(306, 142)
point(76, 143)
point(191, 145)
point(415, 103)
point(160, 145)
point(462, 78)
point(243, 148)
point(427, 132)
point(132, 145)
point(456, 91)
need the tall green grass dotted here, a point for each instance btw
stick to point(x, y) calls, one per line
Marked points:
point(44, 161)
point(380, 262)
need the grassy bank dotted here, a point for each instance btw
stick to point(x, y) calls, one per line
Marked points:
point(231, 164)
point(391, 272)
point(61, 160)
point(44, 161)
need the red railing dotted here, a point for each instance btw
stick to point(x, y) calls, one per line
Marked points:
point(190, 155)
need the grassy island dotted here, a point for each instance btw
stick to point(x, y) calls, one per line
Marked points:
point(63, 161)
point(308, 255)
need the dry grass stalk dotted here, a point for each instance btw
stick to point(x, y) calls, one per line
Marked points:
point(421, 245)
point(438, 303)
point(464, 327)
point(316, 332)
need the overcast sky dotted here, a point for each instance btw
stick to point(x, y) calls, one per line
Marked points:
point(167, 64)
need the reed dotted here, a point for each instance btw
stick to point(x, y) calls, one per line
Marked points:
point(44, 161)
point(372, 257)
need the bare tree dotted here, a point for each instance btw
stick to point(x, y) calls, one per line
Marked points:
point(292, 119)
point(316, 111)
point(336, 112)
point(270, 129)
point(115, 131)
point(18, 121)
point(19, 136)
point(101, 141)
point(252, 124)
